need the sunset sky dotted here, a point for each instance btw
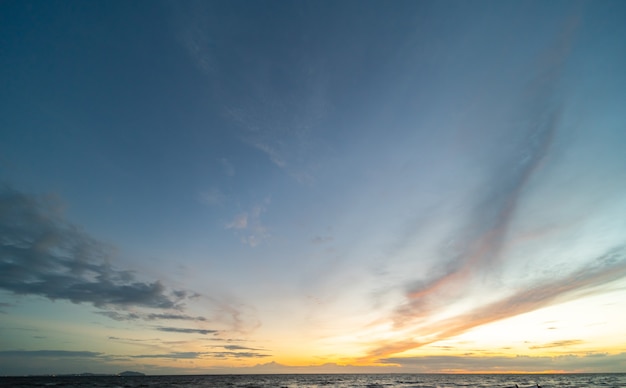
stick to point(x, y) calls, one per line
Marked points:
point(312, 186)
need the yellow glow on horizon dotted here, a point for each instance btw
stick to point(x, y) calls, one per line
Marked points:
point(570, 328)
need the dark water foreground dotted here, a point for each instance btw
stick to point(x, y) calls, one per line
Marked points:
point(315, 381)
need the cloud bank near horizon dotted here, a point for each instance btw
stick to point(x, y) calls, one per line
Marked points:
point(591, 363)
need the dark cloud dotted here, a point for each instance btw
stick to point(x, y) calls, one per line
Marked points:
point(557, 344)
point(19, 328)
point(42, 254)
point(49, 353)
point(186, 330)
point(237, 355)
point(195, 355)
point(182, 317)
point(132, 316)
point(229, 340)
point(237, 347)
point(3, 305)
point(131, 339)
point(120, 316)
point(174, 355)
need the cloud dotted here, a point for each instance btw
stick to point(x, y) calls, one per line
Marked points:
point(327, 368)
point(277, 120)
point(594, 362)
point(272, 152)
point(227, 166)
point(3, 304)
point(129, 339)
point(186, 330)
point(195, 34)
point(558, 344)
point(196, 355)
point(528, 142)
point(477, 249)
point(223, 355)
point(132, 316)
point(49, 353)
point(120, 316)
point(42, 254)
point(252, 230)
point(239, 222)
point(590, 279)
point(237, 347)
point(212, 197)
point(182, 317)
point(321, 239)
point(174, 355)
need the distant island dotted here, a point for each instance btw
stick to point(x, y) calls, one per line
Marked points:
point(131, 373)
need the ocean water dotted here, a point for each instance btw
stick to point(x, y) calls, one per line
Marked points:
point(611, 380)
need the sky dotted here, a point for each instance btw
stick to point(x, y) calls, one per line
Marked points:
point(312, 186)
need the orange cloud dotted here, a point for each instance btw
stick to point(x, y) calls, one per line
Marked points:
point(605, 269)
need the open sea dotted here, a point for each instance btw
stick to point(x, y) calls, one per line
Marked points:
point(609, 380)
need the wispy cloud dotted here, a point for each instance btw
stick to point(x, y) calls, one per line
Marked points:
point(225, 355)
point(212, 197)
point(478, 247)
point(239, 222)
point(187, 330)
point(252, 231)
point(173, 355)
point(277, 122)
point(3, 305)
point(227, 167)
point(594, 362)
point(132, 316)
point(197, 355)
point(49, 353)
point(182, 317)
point(589, 279)
point(321, 239)
point(558, 344)
point(113, 338)
point(120, 316)
point(238, 347)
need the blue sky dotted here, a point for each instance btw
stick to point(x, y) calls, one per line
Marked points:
point(203, 187)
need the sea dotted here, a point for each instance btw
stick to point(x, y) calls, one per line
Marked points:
point(609, 380)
